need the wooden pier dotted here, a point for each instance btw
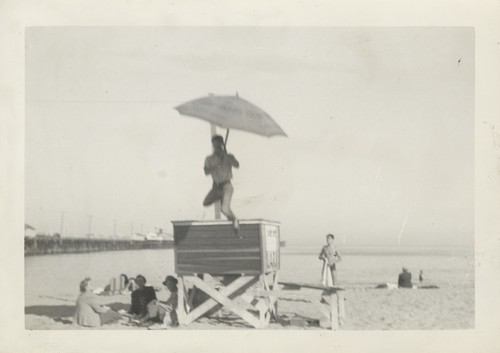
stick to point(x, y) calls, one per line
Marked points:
point(55, 245)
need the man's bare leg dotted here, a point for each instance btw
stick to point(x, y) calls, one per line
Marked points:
point(226, 207)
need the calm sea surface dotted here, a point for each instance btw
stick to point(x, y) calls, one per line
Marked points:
point(59, 275)
point(368, 266)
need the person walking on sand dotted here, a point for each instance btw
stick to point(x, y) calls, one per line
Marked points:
point(219, 165)
point(330, 256)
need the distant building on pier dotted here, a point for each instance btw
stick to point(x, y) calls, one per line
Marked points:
point(138, 237)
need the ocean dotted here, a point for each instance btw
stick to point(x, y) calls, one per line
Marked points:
point(60, 275)
point(369, 266)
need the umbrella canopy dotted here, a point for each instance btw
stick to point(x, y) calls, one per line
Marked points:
point(231, 112)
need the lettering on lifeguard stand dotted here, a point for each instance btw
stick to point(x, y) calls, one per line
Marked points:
point(272, 245)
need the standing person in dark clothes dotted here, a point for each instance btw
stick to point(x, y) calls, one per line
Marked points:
point(421, 276)
point(404, 279)
point(219, 165)
point(141, 297)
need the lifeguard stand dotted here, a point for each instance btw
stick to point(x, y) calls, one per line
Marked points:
point(207, 251)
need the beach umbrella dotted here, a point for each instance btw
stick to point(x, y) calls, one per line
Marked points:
point(231, 112)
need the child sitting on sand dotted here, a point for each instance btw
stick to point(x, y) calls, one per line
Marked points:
point(330, 256)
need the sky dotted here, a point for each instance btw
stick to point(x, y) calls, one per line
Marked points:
point(380, 147)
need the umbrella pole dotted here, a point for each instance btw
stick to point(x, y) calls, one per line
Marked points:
point(225, 141)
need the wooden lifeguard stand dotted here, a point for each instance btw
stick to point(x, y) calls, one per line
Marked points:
point(209, 250)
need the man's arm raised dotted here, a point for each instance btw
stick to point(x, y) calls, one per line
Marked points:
point(234, 161)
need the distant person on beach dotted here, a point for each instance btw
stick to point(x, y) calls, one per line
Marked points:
point(164, 312)
point(127, 284)
point(330, 256)
point(421, 276)
point(219, 165)
point(124, 282)
point(88, 310)
point(404, 279)
point(141, 297)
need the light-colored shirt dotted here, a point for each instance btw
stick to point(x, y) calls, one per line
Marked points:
point(166, 312)
point(88, 310)
point(220, 167)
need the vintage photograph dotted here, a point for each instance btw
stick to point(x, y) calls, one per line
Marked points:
point(242, 178)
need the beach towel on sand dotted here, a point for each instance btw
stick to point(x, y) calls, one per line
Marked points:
point(326, 275)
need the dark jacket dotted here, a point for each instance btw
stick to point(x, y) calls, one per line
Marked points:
point(404, 280)
point(140, 300)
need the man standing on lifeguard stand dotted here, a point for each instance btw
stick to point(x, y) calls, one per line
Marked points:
point(219, 165)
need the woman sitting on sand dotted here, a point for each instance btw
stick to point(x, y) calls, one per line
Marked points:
point(88, 310)
point(141, 297)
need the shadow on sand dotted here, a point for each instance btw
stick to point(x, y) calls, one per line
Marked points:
point(52, 311)
point(60, 313)
point(231, 321)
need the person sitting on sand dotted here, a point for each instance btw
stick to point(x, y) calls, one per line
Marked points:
point(127, 284)
point(88, 310)
point(219, 166)
point(141, 297)
point(164, 312)
point(330, 256)
point(404, 279)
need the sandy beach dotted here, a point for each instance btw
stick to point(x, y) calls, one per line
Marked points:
point(365, 132)
point(49, 299)
point(366, 309)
